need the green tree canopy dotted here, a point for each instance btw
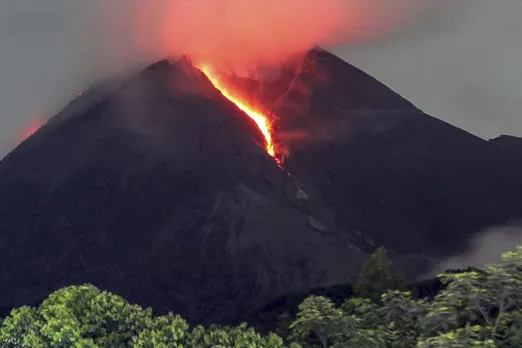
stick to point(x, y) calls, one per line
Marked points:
point(83, 316)
point(476, 309)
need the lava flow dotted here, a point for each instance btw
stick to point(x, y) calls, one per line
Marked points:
point(262, 121)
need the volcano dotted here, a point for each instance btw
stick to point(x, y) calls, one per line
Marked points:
point(160, 188)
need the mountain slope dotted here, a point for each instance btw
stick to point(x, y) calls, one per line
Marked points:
point(157, 188)
point(396, 175)
point(160, 191)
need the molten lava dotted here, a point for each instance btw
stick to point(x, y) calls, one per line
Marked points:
point(262, 121)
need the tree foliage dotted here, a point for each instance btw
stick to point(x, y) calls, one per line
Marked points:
point(85, 317)
point(476, 309)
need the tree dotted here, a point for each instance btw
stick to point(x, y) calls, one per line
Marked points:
point(480, 308)
point(399, 315)
point(75, 316)
point(377, 276)
point(318, 317)
point(21, 329)
point(490, 301)
point(234, 337)
point(392, 322)
point(85, 317)
point(320, 323)
point(165, 331)
point(469, 336)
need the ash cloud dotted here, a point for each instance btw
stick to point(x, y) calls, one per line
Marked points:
point(242, 33)
point(70, 45)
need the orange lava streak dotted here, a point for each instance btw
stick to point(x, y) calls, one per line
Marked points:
point(262, 121)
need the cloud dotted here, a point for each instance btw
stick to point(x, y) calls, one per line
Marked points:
point(53, 50)
point(485, 248)
point(244, 32)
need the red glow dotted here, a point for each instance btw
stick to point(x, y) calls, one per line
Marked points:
point(236, 33)
point(29, 130)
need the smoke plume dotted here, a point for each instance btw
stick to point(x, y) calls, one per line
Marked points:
point(486, 248)
point(244, 33)
point(71, 45)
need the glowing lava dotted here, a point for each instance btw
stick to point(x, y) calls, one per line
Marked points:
point(262, 121)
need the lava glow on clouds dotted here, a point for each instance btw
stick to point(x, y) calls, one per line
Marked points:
point(235, 33)
point(241, 35)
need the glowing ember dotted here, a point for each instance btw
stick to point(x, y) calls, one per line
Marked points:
point(262, 121)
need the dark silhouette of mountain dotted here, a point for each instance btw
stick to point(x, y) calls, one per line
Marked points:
point(157, 188)
point(508, 142)
point(399, 177)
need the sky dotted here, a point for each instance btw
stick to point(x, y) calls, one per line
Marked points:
point(459, 61)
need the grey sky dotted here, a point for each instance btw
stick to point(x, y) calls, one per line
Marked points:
point(461, 65)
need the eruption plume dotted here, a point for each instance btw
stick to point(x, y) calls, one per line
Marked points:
point(113, 37)
point(242, 34)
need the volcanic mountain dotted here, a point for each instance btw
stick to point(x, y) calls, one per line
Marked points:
point(160, 189)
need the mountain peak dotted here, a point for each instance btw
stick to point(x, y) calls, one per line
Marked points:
point(161, 65)
point(158, 187)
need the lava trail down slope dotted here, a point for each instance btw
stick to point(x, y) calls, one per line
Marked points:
point(159, 188)
point(399, 177)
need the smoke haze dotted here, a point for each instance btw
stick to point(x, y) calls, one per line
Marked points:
point(240, 33)
point(485, 249)
point(52, 50)
point(69, 45)
point(457, 60)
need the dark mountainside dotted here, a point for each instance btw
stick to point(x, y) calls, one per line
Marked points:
point(508, 142)
point(160, 192)
point(399, 177)
point(156, 188)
